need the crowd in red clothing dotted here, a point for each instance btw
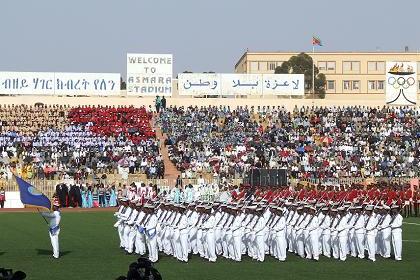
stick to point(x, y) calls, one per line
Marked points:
point(114, 121)
point(384, 193)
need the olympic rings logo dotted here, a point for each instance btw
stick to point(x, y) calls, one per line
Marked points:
point(401, 82)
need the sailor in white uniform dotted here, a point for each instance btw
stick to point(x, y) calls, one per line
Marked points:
point(54, 224)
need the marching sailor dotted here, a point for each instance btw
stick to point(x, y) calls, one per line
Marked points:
point(54, 224)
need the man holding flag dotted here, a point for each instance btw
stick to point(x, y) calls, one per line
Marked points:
point(31, 197)
point(55, 218)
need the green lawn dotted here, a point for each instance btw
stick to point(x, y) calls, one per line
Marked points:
point(89, 248)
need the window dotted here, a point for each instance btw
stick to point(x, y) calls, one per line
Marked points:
point(371, 85)
point(351, 66)
point(331, 65)
point(272, 66)
point(254, 66)
point(356, 85)
point(326, 65)
point(380, 66)
point(376, 66)
point(263, 66)
point(419, 85)
point(346, 85)
point(381, 84)
point(330, 85)
point(322, 65)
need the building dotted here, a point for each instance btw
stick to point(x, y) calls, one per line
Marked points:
point(346, 72)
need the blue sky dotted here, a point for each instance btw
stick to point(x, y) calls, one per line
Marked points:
point(95, 35)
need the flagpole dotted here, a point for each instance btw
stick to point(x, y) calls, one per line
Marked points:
point(42, 217)
point(313, 74)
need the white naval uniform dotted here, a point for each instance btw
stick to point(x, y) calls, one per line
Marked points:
point(291, 232)
point(359, 235)
point(342, 229)
point(128, 232)
point(54, 230)
point(121, 228)
point(237, 232)
point(313, 237)
point(208, 227)
point(320, 219)
point(326, 235)
point(192, 234)
point(352, 235)
point(259, 231)
point(371, 232)
point(279, 232)
point(385, 237)
point(150, 233)
point(299, 236)
point(140, 241)
point(396, 233)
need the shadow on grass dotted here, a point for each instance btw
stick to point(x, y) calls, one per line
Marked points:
point(2, 253)
point(49, 252)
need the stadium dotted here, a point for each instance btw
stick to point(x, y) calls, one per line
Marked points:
point(284, 165)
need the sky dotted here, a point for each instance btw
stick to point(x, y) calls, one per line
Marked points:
point(95, 35)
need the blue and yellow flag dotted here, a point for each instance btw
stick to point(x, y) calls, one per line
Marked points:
point(31, 197)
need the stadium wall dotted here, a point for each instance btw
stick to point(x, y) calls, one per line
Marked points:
point(330, 100)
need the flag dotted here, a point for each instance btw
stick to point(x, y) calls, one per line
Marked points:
point(316, 41)
point(30, 196)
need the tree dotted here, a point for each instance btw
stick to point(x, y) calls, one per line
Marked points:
point(302, 64)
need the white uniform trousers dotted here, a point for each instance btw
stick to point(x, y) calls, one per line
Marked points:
point(140, 243)
point(326, 243)
point(55, 245)
point(152, 248)
point(397, 243)
point(280, 245)
point(183, 237)
point(371, 246)
point(259, 247)
point(314, 243)
point(131, 239)
point(237, 246)
point(360, 245)
point(121, 234)
point(386, 242)
point(300, 243)
point(211, 246)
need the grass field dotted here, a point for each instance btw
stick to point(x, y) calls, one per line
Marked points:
point(89, 248)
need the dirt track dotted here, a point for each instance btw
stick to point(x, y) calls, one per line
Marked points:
point(16, 210)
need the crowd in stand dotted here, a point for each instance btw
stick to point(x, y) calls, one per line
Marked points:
point(310, 142)
point(47, 141)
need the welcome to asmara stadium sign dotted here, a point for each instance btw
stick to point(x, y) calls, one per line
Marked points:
point(149, 74)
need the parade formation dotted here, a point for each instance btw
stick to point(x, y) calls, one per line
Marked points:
point(308, 224)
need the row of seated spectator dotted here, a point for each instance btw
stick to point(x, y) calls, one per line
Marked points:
point(310, 142)
point(77, 141)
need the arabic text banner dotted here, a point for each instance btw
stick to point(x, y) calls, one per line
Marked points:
point(49, 83)
point(283, 84)
point(149, 74)
point(401, 83)
point(197, 84)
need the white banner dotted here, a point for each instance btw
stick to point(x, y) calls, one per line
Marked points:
point(198, 84)
point(149, 74)
point(401, 83)
point(48, 83)
point(283, 84)
point(241, 84)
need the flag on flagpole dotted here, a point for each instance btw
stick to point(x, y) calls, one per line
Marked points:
point(316, 41)
point(30, 196)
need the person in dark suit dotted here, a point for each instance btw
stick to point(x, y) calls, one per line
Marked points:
point(163, 103)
